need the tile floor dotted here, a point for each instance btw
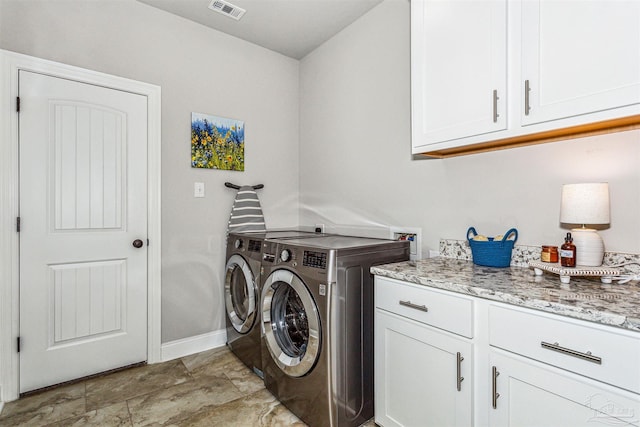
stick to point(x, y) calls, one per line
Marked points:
point(212, 388)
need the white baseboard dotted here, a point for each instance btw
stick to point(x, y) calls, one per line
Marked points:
point(191, 345)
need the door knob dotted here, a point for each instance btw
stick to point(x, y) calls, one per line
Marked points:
point(137, 243)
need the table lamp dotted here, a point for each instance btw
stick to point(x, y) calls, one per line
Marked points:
point(586, 204)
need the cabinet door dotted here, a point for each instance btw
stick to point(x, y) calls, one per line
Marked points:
point(533, 394)
point(417, 371)
point(579, 57)
point(458, 69)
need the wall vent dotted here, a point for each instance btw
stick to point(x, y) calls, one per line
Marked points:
point(227, 9)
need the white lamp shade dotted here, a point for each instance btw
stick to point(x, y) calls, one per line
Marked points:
point(585, 203)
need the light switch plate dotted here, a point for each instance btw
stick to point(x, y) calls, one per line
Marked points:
point(198, 189)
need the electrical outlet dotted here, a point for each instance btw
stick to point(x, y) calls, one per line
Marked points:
point(198, 189)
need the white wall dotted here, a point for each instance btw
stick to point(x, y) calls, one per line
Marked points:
point(353, 162)
point(356, 170)
point(199, 70)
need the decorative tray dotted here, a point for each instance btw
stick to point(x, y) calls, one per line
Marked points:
point(605, 273)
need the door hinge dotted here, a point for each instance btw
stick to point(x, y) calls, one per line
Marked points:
point(18, 224)
point(147, 242)
point(18, 344)
point(18, 104)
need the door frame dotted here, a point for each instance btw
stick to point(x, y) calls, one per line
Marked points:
point(10, 64)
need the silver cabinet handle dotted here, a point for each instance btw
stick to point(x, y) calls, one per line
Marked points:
point(580, 355)
point(494, 387)
point(415, 306)
point(527, 89)
point(459, 377)
point(495, 106)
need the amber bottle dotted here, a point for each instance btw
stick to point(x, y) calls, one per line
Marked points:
point(568, 252)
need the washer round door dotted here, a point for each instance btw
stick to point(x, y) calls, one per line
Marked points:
point(291, 323)
point(240, 294)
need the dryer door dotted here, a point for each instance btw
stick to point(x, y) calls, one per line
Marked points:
point(240, 294)
point(291, 323)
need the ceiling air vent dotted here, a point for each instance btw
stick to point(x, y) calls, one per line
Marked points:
point(226, 8)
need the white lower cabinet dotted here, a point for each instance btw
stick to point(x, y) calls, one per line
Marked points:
point(521, 367)
point(528, 393)
point(417, 371)
point(547, 370)
point(423, 362)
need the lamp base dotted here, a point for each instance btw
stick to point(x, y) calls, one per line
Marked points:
point(589, 247)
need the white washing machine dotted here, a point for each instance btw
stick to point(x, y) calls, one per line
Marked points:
point(317, 325)
point(242, 292)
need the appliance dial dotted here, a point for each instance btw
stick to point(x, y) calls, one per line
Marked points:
point(238, 243)
point(285, 255)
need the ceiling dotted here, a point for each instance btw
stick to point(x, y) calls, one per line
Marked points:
point(292, 27)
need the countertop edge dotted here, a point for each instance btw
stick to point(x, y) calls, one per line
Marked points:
point(596, 316)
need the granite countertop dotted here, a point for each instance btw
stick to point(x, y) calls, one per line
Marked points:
point(583, 298)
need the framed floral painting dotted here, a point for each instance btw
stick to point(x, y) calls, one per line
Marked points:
point(217, 142)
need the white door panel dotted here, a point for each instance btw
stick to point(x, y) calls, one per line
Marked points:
point(459, 66)
point(571, 68)
point(88, 194)
point(83, 286)
point(86, 301)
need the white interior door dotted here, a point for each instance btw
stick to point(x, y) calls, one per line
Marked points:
point(83, 202)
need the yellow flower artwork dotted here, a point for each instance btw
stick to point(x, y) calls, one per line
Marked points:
point(217, 142)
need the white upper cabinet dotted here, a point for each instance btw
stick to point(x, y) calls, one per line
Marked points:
point(491, 74)
point(459, 69)
point(579, 57)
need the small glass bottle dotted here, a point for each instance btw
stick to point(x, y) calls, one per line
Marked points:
point(568, 252)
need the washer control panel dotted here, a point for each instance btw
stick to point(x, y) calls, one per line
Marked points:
point(315, 259)
point(293, 256)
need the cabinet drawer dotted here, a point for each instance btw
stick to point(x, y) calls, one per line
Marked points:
point(432, 307)
point(599, 352)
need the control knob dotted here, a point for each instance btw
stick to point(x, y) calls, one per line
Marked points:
point(285, 255)
point(238, 243)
